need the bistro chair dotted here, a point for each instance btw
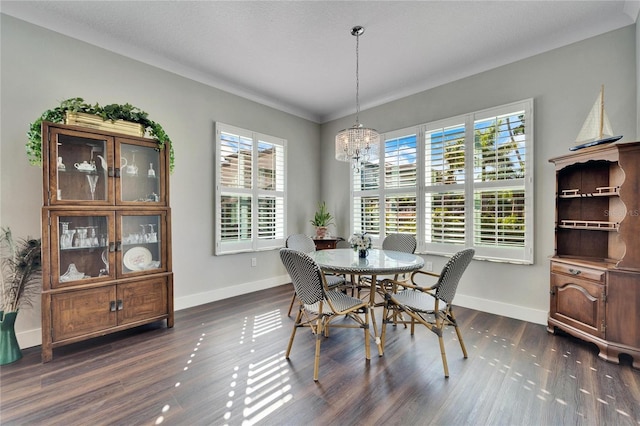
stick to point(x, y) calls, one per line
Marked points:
point(304, 243)
point(318, 307)
point(429, 306)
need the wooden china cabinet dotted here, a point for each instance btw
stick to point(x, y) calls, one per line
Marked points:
point(106, 234)
point(595, 271)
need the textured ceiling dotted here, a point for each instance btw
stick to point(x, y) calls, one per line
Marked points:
point(299, 56)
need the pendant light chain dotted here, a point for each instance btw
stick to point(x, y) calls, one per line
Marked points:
point(357, 144)
point(357, 78)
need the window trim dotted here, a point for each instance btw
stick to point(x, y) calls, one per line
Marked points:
point(255, 243)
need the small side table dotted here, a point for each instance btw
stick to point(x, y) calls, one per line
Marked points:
point(325, 243)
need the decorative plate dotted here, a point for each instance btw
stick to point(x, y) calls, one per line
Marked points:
point(137, 258)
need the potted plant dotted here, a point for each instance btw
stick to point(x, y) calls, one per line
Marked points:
point(113, 112)
point(321, 220)
point(20, 281)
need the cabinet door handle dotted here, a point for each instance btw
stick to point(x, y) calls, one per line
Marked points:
point(110, 172)
point(120, 307)
point(117, 172)
point(112, 306)
point(574, 271)
point(112, 247)
point(119, 246)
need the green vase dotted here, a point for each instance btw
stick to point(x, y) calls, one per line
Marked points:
point(9, 347)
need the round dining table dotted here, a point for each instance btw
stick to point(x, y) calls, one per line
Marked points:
point(377, 262)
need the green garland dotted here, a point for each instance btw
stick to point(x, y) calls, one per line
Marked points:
point(111, 112)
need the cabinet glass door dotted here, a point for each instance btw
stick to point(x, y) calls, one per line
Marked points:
point(83, 248)
point(141, 236)
point(79, 168)
point(140, 172)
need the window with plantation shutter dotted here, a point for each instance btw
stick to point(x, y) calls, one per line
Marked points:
point(250, 191)
point(460, 182)
point(384, 191)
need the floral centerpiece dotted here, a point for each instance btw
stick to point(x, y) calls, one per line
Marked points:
point(361, 243)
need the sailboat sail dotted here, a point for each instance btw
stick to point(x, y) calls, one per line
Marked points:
point(596, 128)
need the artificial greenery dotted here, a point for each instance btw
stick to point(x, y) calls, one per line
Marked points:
point(111, 112)
point(322, 216)
point(21, 271)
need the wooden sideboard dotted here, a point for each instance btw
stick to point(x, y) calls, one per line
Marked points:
point(595, 271)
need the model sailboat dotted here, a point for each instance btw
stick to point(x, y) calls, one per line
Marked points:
point(596, 129)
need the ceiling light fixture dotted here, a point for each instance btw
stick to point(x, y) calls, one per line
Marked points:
point(357, 144)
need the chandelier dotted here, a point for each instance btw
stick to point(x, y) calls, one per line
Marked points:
point(357, 144)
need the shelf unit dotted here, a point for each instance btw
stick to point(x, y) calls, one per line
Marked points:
point(106, 234)
point(595, 270)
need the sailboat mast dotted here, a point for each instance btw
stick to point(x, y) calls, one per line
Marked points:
point(601, 110)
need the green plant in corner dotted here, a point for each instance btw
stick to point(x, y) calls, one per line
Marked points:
point(111, 112)
point(322, 217)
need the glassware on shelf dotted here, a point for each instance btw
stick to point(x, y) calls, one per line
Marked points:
point(82, 237)
point(72, 274)
point(93, 180)
point(131, 168)
point(93, 237)
point(151, 172)
point(105, 260)
point(152, 236)
point(61, 166)
point(67, 239)
point(64, 230)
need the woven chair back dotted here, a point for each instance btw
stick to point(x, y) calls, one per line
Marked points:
point(400, 242)
point(305, 275)
point(451, 273)
point(300, 242)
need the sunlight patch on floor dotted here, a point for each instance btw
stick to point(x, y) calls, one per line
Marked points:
point(165, 409)
point(261, 387)
point(544, 394)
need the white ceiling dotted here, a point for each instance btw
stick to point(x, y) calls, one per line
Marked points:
point(299, 56)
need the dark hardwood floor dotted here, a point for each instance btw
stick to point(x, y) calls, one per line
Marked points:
point(223, 363)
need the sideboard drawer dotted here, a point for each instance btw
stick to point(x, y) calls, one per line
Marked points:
point(578, 271)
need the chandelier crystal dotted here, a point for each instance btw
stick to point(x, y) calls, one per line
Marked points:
point(357, 144)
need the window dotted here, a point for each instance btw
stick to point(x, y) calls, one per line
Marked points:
point(250, 191)
point(461, 182)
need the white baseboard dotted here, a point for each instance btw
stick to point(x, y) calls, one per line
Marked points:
point(226, 292)
point(522, 313)
point(30, 338)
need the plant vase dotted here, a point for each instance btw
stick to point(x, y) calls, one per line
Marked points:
point(321, 232)
point(363, 253)
point(9, 347)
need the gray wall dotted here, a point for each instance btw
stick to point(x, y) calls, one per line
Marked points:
point(39, 68)
point(564, 84)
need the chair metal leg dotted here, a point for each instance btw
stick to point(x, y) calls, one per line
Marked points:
point(367, 345)
point(458, 333)
point(296, 324)
point(316, 364)
point(444, 356)
point(293, 300)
